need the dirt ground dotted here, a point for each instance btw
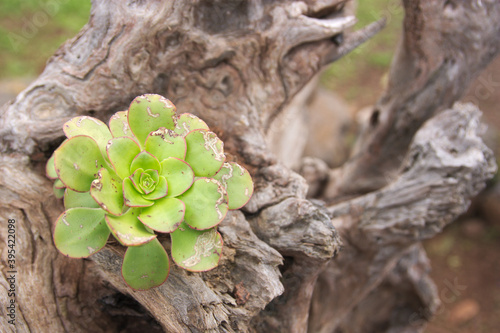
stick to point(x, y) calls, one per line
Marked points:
point(466, 256)
point(465, 269)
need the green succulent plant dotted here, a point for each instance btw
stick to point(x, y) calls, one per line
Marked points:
point(152, 171)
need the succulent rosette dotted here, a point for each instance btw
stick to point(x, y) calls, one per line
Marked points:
point(152, 171)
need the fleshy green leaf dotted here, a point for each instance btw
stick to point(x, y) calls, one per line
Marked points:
point(196, 250)
point(80, 232)
point(121, 152)
point(50, 168)
point(132, 197)
point(206, 203)
point(147, 113)
point(238, 184)
point(107, 192)
point(165, 143)
point(164, 216)
point(179, 176)
point(77, 162)
point(205, 153)
point(128, 230)
point(118, 125)
point(188, 122)
point(160, 191)
point(58, 192)
point(145, 266)
point(91, 127)
point(145, 161)
point(148, 181)
point(58, 184)
point(74, 199)
point(136, 179)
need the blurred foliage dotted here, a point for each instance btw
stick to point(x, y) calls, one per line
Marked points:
point(359, 76)
point(32, 30)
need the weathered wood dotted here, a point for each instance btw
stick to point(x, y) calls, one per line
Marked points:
point(235, 64)
point(302, 232)
point(238, 64)
point(446, 166)
point(444, 46)
point(403, 302)
point(209, 301)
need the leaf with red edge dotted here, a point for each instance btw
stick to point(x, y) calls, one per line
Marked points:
point(50, 168)
point(206, 203)
point(205, 153)
point(165, 143)
point(160, 190)
point(188, 122)
point(107, 192)
point(128, 230)
point(77, 162)
point(121, 152)
point(89, 126)
point(74, 199)
point(178, 174)
point(58, 184)
point(196, 250)
point(118, 125)
point(148, 181)
point(132, 197)
point(164, 216)
point(237, 182)
point(145, 161)
point(58, 192)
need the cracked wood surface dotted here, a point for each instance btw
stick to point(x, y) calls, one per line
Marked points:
point(445, 44)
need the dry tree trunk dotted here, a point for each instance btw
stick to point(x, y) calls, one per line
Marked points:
point(238, 64)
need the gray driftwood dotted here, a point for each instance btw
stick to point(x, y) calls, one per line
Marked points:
point(290, 264)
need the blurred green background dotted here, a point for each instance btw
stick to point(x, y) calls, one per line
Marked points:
point(32, 30)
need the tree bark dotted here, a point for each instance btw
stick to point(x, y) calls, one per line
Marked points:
point(237, 65)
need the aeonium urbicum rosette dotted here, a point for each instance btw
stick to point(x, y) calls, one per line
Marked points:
point(152, 171)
